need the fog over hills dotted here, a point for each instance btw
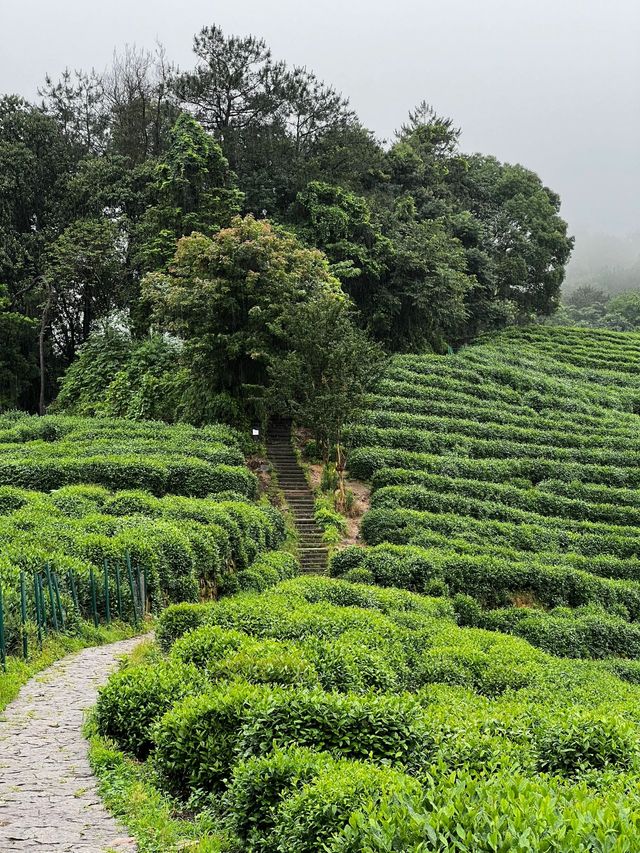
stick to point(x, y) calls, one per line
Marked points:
point(554, 86)
point(606, 261)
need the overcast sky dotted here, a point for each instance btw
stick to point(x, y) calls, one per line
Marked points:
point(552, 84)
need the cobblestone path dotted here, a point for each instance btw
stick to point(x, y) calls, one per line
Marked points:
point(48, 795)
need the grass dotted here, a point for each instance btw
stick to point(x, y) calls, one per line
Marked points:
point(128, 791)
point(19, 671)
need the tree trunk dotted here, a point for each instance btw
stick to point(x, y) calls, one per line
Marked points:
point(341, 498)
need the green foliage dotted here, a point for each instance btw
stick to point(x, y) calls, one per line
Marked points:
point(83, 280)
point(229, 298)
point(178, 620)
point(320, 811)
point(113, 169)
point(17, 354)
point(116, 376)
point(584, 742)
point(261, 784)
point(488, 732)
point(193, 190)
point(136, 698)
point(592, 308)
point(70, 512)
point(323, 376)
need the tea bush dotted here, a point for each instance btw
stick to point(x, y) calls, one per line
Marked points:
point(323, 712)
point(81, 494)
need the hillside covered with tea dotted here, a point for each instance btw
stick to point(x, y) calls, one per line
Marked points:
point(468, 679)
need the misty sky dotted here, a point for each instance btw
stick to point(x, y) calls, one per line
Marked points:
point(553, 84)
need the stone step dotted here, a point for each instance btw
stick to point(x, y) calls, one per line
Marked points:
point(313, 552)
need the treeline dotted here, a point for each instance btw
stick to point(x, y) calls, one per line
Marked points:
point(184, 230)
point(591, 307)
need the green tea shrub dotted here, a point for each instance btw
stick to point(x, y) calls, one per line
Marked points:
point(382, 727)
point(359, 575)
point(581, 742)
point(259, 787)
point(197, 741)
point(136, 697)
point(204, 646)
point(177, 620)
point(315, 816)
point(267, 662)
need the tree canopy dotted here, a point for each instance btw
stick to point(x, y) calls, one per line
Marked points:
point(209, 202)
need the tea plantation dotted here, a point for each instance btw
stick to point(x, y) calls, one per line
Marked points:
point(507, 475)
point(469, 679)
point(107, 519)
point(329, 715)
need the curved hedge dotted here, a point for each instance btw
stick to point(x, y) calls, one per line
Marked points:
point(478, 727)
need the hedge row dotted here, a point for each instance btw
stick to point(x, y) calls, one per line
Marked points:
point(479, 499)
point(417, 441)
point(495, 741)
point(406, 526)
point(19, 428)
point(565, 435)
point(365, 461)
point(492, 580)
point(558, 497)
point(181, 544)
point(448, 404)
point(51, 452)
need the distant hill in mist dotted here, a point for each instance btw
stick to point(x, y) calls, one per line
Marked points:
point(604, 261)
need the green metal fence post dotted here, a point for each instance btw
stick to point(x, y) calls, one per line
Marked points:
point(3, 650)
point(74, 591)
point(139, 591)
point(54, 615)
point(133, 593)
point(43, 607)
point(94, 605)
point(107, 603)
point(36, 598)
point(144, 591)
point(118, 590)
point(56, 589)
point(23, 614)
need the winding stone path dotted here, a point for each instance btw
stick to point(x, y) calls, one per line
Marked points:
point(48, 795)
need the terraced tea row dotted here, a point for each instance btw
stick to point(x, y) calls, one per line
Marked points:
point(87, 502)
point(525, 491)
point(337, 716)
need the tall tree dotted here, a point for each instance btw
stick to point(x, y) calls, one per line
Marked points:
point(228, 297)
point(76, 102)
point(18, 359)
point(341, 224)
point(137, 90)
point(35, 162)
point(523, 232)
point(193, 190)
point(83, 277)
point(324, 375)
point(270, 120)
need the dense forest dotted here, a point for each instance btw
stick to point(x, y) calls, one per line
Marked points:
point(168, 237)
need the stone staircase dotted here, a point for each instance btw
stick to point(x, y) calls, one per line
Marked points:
point(299, 497)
